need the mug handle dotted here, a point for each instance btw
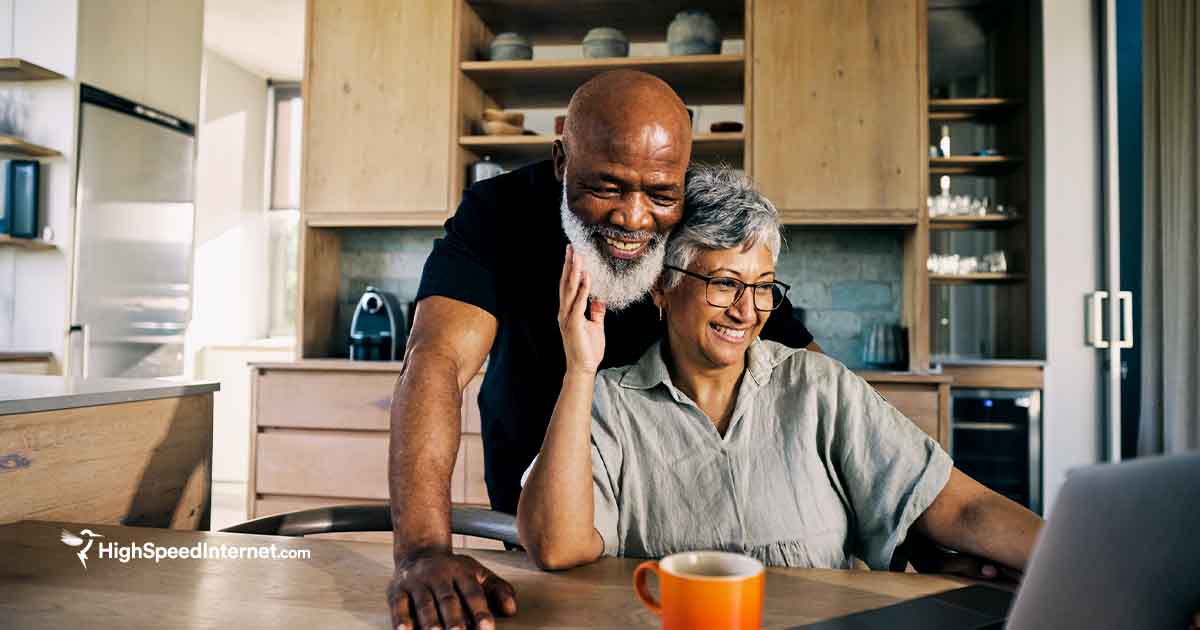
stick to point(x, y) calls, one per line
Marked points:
point(639, 585)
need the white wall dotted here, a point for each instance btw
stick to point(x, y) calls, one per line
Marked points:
point(231, 264)
point(231, 236)
point(1071, 208)
point(35, 285)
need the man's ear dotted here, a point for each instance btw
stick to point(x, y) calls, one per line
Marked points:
point(558, 154)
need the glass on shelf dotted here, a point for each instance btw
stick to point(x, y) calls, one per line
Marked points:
point(955, 265)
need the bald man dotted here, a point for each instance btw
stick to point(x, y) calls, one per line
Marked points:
point(613, 189)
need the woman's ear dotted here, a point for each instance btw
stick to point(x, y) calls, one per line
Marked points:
point(657, 295)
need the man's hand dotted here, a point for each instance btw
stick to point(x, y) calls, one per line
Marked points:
point(436, 589)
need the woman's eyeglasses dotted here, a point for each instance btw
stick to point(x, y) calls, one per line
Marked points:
point(725, 292)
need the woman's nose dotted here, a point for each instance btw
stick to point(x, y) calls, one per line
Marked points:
point(742, 308)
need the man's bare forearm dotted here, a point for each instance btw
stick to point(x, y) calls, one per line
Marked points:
point(425, 432)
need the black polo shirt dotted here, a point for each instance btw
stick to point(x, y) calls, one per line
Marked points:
point(503, 252)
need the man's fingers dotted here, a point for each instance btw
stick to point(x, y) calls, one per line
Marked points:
point(450, 606)
point(500, 595)
point(427, 614)
point(401, 617)
point(477, 604)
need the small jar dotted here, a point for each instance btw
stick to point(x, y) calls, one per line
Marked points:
point(510, 47)
point(693, 32)
point(605, 42)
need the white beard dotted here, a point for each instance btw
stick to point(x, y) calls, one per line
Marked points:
point(616, 282)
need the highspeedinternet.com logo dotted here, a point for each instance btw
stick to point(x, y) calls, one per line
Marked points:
point(125, 552)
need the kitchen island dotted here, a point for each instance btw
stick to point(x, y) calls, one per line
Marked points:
point(120, 451)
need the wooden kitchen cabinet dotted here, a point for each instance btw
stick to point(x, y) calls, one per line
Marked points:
point(838, 108)
point(377, 95)
point(319, 437)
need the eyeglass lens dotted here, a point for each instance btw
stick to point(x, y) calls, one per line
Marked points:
point(723, 292)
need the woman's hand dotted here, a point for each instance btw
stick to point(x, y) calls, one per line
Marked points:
point(581, 324)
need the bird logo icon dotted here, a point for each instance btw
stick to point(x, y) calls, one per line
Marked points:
point(74, 541)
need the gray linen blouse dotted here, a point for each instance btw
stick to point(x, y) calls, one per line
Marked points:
point(815, 468)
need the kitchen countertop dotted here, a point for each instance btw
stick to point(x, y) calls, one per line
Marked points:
point(992, 362)
point(25, 355)
point(346, 365)
point(28, 394)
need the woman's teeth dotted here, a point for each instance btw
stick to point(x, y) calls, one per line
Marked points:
point(730, 332)
point(624, 245)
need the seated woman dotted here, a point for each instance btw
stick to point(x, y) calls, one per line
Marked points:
point(716, 439)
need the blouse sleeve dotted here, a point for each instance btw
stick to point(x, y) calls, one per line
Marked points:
point(606, 467)
point(891, 470)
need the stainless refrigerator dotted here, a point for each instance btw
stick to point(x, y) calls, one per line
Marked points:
point(134, 222)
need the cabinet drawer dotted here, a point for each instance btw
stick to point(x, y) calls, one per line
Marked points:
point(918, 402)
point(324, 400)
point(322, 464)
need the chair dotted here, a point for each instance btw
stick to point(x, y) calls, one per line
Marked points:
point(464, 519)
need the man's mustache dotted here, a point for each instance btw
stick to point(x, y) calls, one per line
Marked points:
point(613, 232)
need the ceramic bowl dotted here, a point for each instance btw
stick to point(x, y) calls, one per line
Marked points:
point(510, 47)
point(693, 32)
point(605, 42)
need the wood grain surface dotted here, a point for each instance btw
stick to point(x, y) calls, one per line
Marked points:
point(341, 585)
point(146, 463)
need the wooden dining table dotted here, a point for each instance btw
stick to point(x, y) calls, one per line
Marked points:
point(340, 585)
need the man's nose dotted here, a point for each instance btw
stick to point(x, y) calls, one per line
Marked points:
point(633, 214)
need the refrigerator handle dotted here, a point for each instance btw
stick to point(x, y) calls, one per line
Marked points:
point(1125, 300)
point(1096, 319)
point(79, 353)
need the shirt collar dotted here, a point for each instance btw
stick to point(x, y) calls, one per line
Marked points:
point(651, 369)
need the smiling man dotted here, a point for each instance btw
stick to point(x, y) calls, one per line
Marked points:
point(614, 190)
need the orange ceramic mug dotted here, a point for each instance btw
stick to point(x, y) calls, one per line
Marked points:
point(705, 589)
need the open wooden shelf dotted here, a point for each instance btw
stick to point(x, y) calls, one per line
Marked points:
point(985, 222)
point(952, 109)
point(972, 164)
point(699, 79)
point(523, 148)
point(32, 244)
point(977, 278)
point(12, 145)
point(14, 69)
point(550, 22)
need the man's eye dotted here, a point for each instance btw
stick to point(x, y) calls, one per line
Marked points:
point(664, 201)
point(605, 192)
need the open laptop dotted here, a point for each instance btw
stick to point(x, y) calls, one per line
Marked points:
point(1121, 550)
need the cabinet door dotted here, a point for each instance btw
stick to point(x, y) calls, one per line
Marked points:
point(112, 46)
point(838, 108)
point(173, 56)
point(377, 93)
point(42, 32)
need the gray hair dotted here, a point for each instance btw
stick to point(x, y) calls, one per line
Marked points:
point(722, 210)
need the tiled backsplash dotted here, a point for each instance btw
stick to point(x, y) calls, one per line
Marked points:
point(845, 280)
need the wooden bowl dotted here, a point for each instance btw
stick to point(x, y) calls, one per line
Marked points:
point(500, 128)
point(499, 115)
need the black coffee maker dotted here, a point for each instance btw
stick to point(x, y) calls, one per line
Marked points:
point(377, 328)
